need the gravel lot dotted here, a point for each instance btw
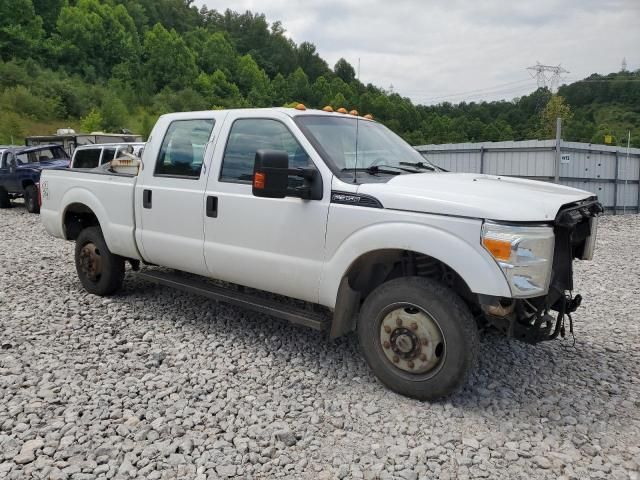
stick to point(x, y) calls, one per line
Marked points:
point(158, 384)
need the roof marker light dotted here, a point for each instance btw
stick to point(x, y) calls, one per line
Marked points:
point(368, 116)
point(342, 110)
point(328, 108)
point(300, 106)
point(354, 112)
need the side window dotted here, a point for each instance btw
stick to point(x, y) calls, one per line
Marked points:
point(107, 155)
point(87, 158)
point(182, 151)
point(252, 134)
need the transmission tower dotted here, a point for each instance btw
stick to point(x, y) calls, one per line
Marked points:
point(548, 76)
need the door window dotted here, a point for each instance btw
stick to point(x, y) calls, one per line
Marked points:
point(252, 134)
point(182, 151)
point(87, 158)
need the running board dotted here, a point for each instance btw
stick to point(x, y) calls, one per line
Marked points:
point(296, 315)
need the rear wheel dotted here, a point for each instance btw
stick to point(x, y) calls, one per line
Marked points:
point(5, 201)
point(100, 271)
point(418, 337)
point(31, 199)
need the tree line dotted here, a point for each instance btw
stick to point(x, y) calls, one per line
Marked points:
point(113, 64)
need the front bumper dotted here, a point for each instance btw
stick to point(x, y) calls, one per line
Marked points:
point(532, 320)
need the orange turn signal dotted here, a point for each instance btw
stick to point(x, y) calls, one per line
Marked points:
point(500, 249)
point(259, 179)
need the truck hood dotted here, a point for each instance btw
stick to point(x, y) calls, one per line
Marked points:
point(474, 195)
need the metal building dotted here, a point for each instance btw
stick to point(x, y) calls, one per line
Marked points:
point(612, 173)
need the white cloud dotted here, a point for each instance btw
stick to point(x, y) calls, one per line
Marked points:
point(456, 50)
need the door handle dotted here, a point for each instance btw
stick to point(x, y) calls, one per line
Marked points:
point(146, 198)
point(212, 206)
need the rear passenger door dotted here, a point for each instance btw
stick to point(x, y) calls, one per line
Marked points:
point(170, 191)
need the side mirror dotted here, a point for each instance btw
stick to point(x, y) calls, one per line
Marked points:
point(271, 174)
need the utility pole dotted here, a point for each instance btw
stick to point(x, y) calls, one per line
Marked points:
point(558, 149)
point(624, 64)
point(548, 76)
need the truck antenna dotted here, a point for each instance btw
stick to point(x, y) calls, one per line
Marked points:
point(355, 164)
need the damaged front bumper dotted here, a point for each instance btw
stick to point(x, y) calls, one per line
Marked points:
point(538, 319)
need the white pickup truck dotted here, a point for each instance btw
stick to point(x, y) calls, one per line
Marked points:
point(347, 227)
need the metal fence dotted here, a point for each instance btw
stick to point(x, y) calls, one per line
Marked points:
point(612, 173)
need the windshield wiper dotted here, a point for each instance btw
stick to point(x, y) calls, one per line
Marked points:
point(424, 166)
point(374, 169)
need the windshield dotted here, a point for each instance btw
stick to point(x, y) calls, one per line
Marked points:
point(335, 138)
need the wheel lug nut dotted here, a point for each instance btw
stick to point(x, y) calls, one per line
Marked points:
point(423, 357)
point(396, 359)
point(387, 328)
point(414, 326)
point(425, 341)
point(399, 322)
point(410, 364)
point(386, 344)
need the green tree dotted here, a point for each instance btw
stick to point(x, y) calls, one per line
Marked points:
point(250, 76)
point(310, 61)
point(555, 108)
point(20, 29)
point(92, 122)
point(48, 10)
point(168, 61)
point(94, 37)
point(345, 71)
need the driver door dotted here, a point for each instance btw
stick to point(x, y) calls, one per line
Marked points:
point(272, 244)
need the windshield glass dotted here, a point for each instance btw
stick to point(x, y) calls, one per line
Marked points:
point(378, 146)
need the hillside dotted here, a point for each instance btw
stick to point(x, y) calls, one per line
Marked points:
point(107, 65)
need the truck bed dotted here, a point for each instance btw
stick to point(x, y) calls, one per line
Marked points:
point(109, 195)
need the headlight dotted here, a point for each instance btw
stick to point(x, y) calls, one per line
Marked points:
point(525, 255)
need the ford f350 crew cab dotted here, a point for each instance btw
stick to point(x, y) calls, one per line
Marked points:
point(347, 227)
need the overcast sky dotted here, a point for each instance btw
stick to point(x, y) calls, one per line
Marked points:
point(454, 50)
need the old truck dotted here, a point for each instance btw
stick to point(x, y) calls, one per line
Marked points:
point(345, 226)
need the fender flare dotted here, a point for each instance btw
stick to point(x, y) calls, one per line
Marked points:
point(471, 261)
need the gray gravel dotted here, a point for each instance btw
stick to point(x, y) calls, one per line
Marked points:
point(158, 384)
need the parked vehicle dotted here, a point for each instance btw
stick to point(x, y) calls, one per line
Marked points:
point(70, 140)
point(336, 211)
point(20, 169)
point(92, 156)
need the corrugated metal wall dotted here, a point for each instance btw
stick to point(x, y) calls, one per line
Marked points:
point(609, 172)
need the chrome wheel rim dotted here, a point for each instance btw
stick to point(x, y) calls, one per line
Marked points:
point(412, 340)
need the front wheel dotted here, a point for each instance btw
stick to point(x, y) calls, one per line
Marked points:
point(100, 271)
point(418, 337)
point(31, 199)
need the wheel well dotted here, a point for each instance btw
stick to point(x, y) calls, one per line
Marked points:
point(77, 217)
point(375, 268)
point(26, 183)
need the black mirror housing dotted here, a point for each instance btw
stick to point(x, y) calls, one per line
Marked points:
point(270, 174)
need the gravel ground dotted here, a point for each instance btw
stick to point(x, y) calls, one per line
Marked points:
point(154, 383)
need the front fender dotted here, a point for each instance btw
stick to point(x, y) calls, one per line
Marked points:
point(458, 246)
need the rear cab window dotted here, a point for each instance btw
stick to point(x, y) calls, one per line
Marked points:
point(87, 158)
point(182, 151)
